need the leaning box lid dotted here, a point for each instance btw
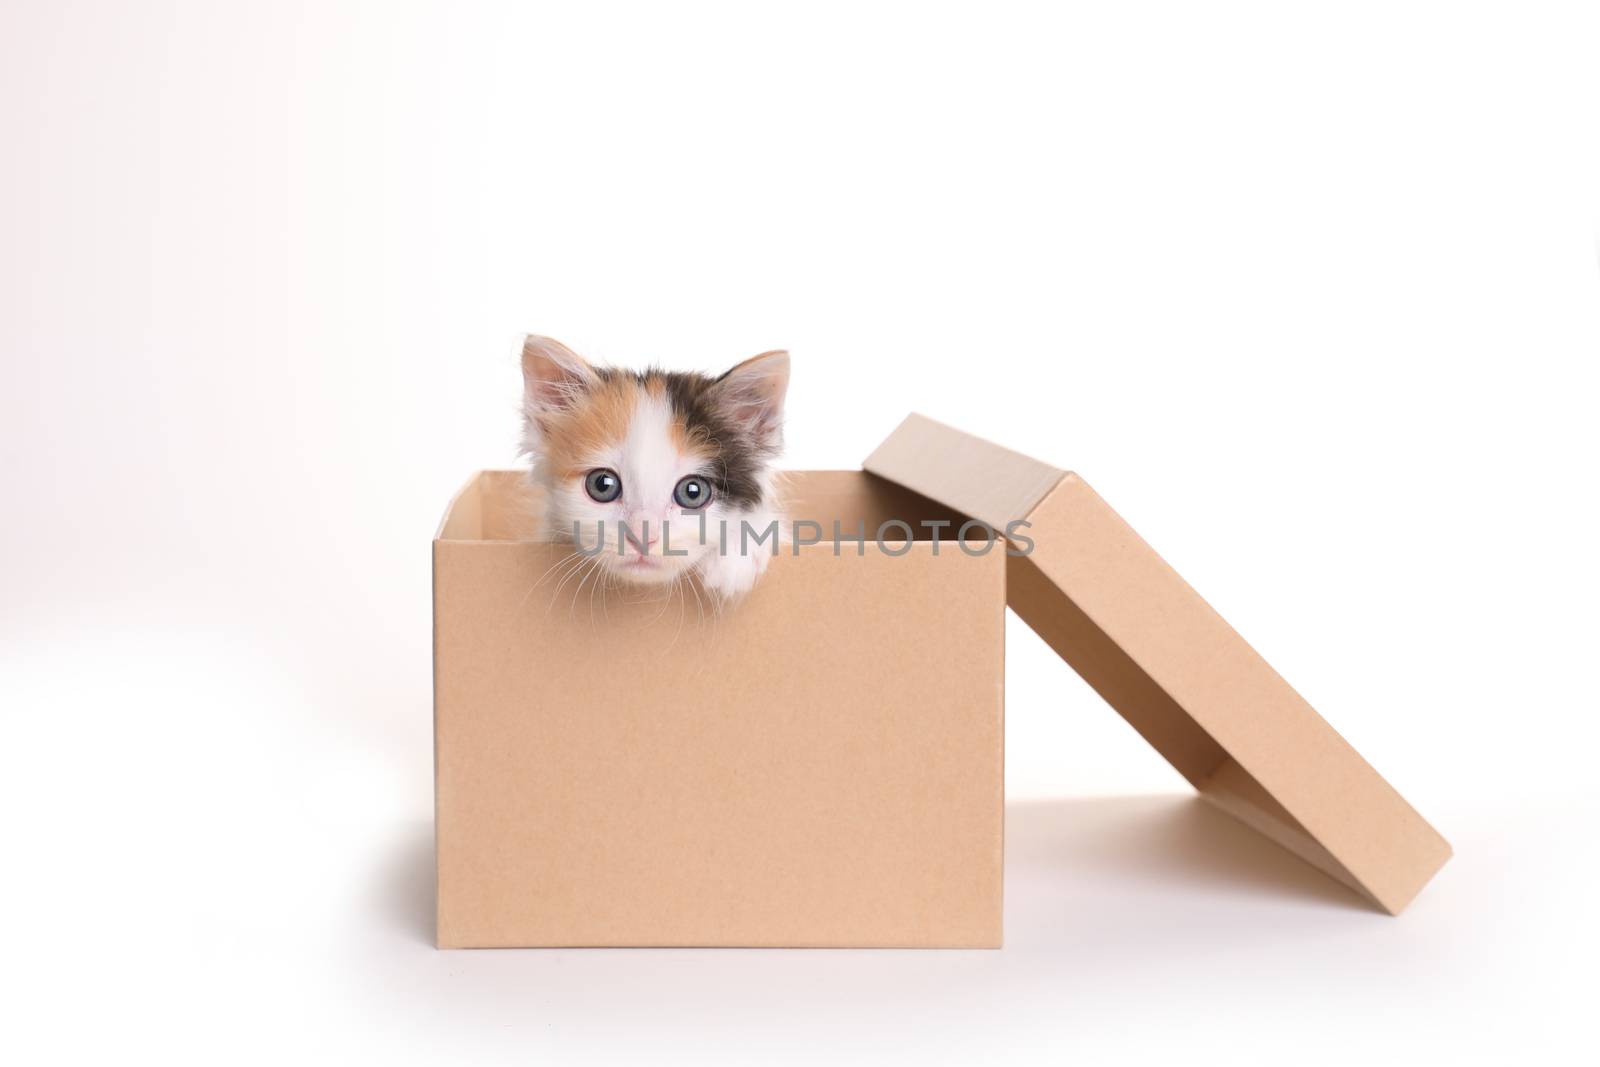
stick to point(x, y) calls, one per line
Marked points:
point(1164, 659)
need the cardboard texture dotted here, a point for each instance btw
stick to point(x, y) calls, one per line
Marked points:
point(822, 766)
point(1180, 675)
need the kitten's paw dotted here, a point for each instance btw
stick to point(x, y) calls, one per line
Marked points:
point(731, 577)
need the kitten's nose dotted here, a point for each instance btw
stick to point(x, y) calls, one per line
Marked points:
point(640, 539)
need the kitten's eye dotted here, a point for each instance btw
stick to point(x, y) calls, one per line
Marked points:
point(603, 485)
point(692, 492)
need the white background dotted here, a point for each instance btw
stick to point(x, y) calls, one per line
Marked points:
point(1312, 297)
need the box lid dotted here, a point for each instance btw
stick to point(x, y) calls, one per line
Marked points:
point(1170, 665)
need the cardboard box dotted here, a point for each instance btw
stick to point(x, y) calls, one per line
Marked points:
point(823, 765)
point(820, 766)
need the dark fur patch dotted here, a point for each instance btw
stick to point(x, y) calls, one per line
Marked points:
point(739, 457)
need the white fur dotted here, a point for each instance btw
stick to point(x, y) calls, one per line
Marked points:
point(732, 574)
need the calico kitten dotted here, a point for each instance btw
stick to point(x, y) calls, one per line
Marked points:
point(664, 469)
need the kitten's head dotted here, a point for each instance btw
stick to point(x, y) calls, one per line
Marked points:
point(651, 459)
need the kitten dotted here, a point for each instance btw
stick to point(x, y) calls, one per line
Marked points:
point(666, 469)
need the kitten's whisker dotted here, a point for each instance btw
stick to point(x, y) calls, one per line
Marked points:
point(676, 587)
point(600, 581)
point(569, 568)
point(542, 578)
point(600, 584)
point(588, 572)
point(583, 574)
point(699, 606)
point(571, 573)
point(683, 606)
point(666, 601)
point(568, 558)
point(603, 583)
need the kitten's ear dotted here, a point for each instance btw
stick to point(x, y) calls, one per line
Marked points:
point(553, 378)
point(751, 395)
point(553, 375)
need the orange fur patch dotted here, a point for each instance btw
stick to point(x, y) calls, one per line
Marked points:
point(692, 440)
point(598, 421)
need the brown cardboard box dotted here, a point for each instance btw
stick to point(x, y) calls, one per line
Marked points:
point(820, 766)
point(823, 764)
